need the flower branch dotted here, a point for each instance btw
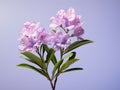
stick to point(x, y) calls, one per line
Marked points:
point(39, 47)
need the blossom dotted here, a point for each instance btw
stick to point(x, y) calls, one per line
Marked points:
point(31, 36)
point(68, 20)
point(58, 20)
point(42, 37)
point(60, 40)
point(78, 31)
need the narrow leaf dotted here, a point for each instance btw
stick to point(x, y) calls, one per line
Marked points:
point(45, 47)
point(53, 59)
point(50, 55)
point(42, 51)
point(25, 58)
point(33, 68)
point(57, 66)
point(68, 55)
point(68, 63)
point(35, 59)
point(76, 44)
point(72, 69)
point(73, 55)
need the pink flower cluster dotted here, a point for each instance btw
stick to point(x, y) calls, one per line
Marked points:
point(33, 34)
point(69, 21)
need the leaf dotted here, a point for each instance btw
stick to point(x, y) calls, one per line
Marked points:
point(25, 58)
point(42, 50)
point(33, 68)
point(57, 66)
point(72, 69)
point(70, 55)
point(76, 44)
point(68, 63)
point(36, 60)
point(45, 47)
point(49, 55)
point(73, 55)
point(53, 59)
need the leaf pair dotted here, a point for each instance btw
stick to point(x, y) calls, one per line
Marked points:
point(34, 59)
point(39, 61)
point(50, 54)
point(59, 67)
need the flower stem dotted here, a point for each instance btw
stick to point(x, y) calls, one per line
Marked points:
point(55, 82)
point(52, 86)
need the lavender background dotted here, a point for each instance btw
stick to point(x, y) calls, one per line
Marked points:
point(100, 60)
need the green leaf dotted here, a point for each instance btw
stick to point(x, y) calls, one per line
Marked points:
point(42, 50)
point(57, 66)
point(72, 69)
point(45, 47)
point(34, 68)
point(73, 55)
point(68, 63)
point(76, 44)
point(53, 59)
point(25, 58)
point(36, 60)
point(50, 55)
point(70, 55)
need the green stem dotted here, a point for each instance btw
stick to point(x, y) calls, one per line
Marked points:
point(55, 82)
point(46, 70)
point(38, 52)
point(56, 78)
point(52, 86)
point(66, 31)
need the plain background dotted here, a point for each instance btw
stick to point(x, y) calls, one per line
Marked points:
point(100, 60)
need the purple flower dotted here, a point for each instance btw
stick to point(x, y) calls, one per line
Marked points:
point(58, 20)
point(27, 43)
point(31, 36)
point(60, 40)
point(43, 37)
point(68, 19)
point(78, 31)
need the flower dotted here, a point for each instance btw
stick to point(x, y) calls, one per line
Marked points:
point(68, 20)
point(43, 37)
point(31, 36)
point(60, 40)
point(58, 20)
point(78, 31)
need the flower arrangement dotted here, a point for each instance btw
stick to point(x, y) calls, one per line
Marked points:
point(39, 47)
